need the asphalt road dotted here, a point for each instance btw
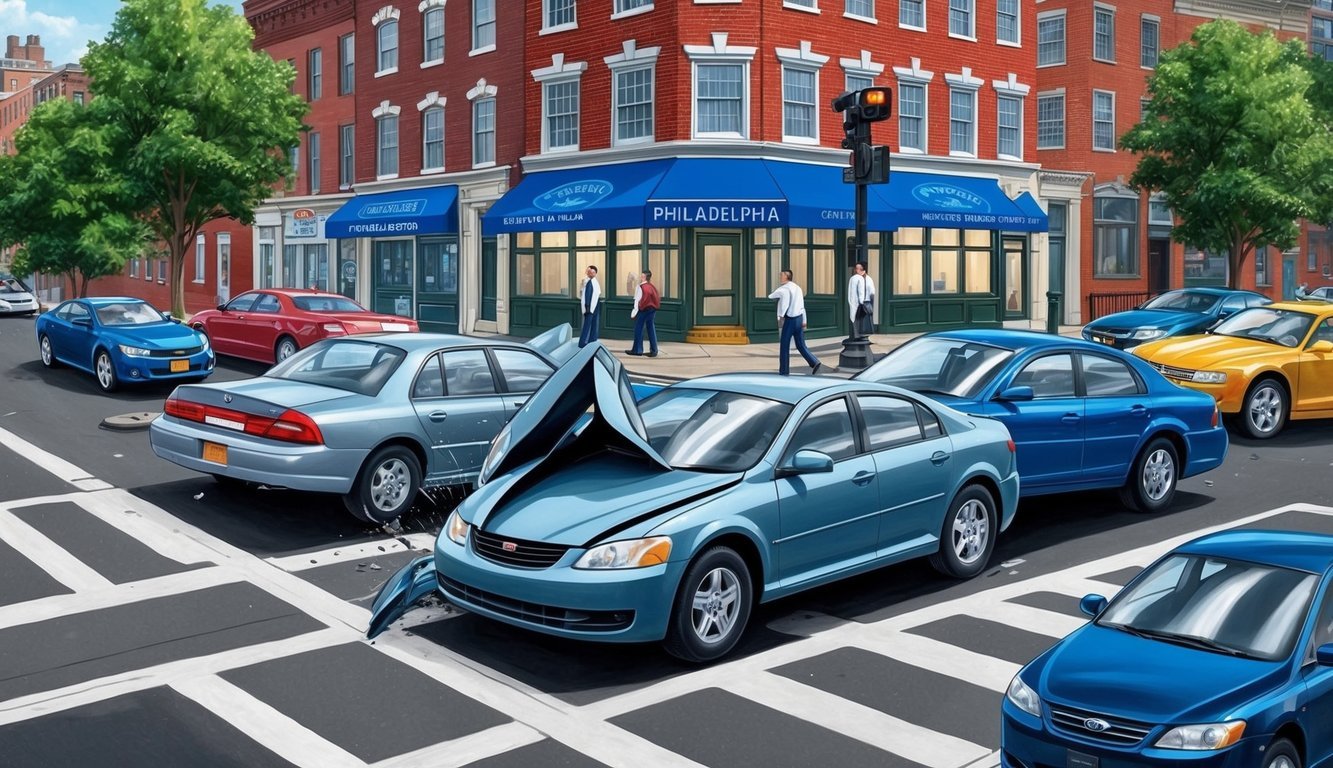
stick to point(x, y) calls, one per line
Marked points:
point(151, 616)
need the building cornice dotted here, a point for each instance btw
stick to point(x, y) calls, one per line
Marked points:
point(1065, 178)
point(277, 20)
point(1282, 15)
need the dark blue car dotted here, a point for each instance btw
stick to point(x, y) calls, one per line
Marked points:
point(1219, 655)
point(1083, 415)
point(1174, 313)
point(120, 339)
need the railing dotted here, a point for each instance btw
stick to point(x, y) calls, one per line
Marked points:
point(1101, 304)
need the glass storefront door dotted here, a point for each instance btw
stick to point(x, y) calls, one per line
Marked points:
point(717, 259)
point(391, 265)
point(437, 285)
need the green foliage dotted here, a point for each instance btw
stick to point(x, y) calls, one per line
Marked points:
point(200, 122)
point(64, 203)
point(1236, 134)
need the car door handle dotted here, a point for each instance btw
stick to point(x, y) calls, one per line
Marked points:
point(438, 416)
point(938, 457)
point(1138, 410)
point(863, 477)
point(1071, 418)
point(519, 403)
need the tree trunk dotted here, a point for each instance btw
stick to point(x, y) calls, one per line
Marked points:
point(73, 277)
point(1236, 261)
point(83, 285)
point(178, 277)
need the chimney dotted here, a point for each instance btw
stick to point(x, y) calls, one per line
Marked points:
point(12, 47)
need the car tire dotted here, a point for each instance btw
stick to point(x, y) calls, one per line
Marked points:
point(967, 537)
point(1263, 414)
point(1153, 477)
point(1282, 754)
point(386, 485)
point(104, 370)
point(285, 348)
point(48, 352)
point(716, 589)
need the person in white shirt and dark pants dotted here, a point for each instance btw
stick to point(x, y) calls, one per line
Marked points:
point(791, 319)
point(591, 299)
point(861, 301)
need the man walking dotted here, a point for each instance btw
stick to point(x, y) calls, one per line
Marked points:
point(791, 319)
point(646, 303)
point(592, 307)
point(861, 301)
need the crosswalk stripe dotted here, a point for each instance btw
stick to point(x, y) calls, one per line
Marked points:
point(467, 749)
point(33, 611)
point(307, 560)
point(942, 658)
point(1026, 617)
point(51, 463)
point(49, 556)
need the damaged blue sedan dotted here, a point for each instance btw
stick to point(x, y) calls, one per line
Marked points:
point(604, 519)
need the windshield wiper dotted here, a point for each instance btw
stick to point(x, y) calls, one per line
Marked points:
point(1189, 640)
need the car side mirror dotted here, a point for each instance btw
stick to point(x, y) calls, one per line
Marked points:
point(1323, 655)
point(807, 462)
point(1092, 605)
point(1322, 347)
point(222, 307)
point(1019, 393)
point(83, 321)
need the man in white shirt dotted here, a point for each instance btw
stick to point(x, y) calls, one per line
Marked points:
point(591, 301)
point(860, 301)
point(791, 319)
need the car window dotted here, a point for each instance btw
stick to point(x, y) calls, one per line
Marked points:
point(1049, 376)
point(939, 365)
point(62, 311)
point(1104, 377)
point(827, 429)
point(128, 313)
point(1257, 300)
point(1323, 331)
point(1323, 626)
point(467, 372)
point(326, 304)
point(267, 303)
point(703, 429)
point(76, 311)
point(347, 364)
point(523, 371)
point(430, 382)
point(1233, 303)
point(1285, 327)
point(10, 285)
point(930, 423)
point(1188, 301)
point(890, 421)
point(242, 303)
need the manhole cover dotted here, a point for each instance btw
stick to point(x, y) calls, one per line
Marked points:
point(129, 422)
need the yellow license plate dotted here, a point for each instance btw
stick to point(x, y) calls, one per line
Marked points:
point(215, 453)
point(180, 366)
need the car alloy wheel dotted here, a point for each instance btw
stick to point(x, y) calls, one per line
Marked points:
point(716, 605)
point(712, 606)
point(971, 532)
point(967, 533)
point(1159, 475)
point(106, 371)
point(1282, 754)
point(1265, 410)
point(48, 355)
point(390, 485)
point(385, 485)
point(1151, 484)
point(286, 348)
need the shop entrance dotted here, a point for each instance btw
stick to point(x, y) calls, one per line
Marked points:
point(437, 285)
point(717, 265)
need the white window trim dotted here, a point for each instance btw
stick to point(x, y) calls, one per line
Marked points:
point(384, 14)
point(432, 100)
point(804, 9)
point(1018, 27)
point(472, 127)
point(863, 66)
point(965, 82)
point(427, 5)
point(1158, 21)
point(545, 30)
point(472, 31)
point(385, 108)
point(1013, 89)
point(224, 238)
point(1048, 15)
point(632, 57)
point(1092, 118)
point(971, 16)
point(617, 15)
point(915, 75)
point(387, 13)
point(559, 72)
point(1110, 9)
point(859, 17)
point(924, 12)
point(805, 60)
point(719, 53)
point(200, 257)
point(1064, 123)
point(482, 90)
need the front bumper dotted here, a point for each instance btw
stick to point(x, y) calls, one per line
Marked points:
point(285, 465)
point(11, 307)
point(1116, 340)
point(129, 369)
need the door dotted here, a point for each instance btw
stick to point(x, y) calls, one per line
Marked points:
point(263, 325)
point(391, 266)
point(1159, 265)
point(1314, 379)
point(460, 411)
point(224, 267)
point(437, 284)
point(1116, 412)
point(1055, 246)
point(1048, 429)
point(1288, 278)
point(912, 470)
point(717, 263)
point(521, 372)
point(828, 521)
point(78, 337)
point(1015, 277)
point(347, 268)
point(227, 330)
point(489, 277)
point(1317, 698)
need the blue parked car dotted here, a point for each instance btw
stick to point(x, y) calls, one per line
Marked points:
point(1219, 655)
point(1083, 415)
point(669, 519)
point(121, 340)
point(1174, 313)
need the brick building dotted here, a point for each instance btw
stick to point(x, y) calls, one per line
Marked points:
point(24, 65)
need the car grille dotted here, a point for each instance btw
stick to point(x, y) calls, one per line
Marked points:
point(176, 352)
point(536, 613)
point(1119, 731)
point(524, 554)
point(1183, 374)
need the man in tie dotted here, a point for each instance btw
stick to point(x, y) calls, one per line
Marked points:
point(860, 301)
point(592, 306)
point(791, 319)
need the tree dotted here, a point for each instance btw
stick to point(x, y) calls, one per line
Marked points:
point(64, 203)
point(202, 123)
point(1235, 136)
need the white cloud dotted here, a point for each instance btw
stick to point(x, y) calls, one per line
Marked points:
point(64, 37)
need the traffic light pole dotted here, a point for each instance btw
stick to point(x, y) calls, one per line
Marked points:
point(856, 348)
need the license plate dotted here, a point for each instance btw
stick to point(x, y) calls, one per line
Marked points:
point(215, 453)
point(1080, 760)
point(180, 366)
point(393, 326)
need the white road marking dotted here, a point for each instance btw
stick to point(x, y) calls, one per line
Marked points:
point(1028, 618)
point(466, 749)
point(423, 543)
point(52, 463)
point(942, 658)
point(49, 556)
point(33, 611)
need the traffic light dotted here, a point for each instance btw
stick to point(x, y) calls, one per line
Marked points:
point(875, 103)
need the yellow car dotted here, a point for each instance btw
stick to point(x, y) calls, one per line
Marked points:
point(1264, 364)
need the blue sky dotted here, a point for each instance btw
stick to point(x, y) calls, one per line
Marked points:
point(65, 26)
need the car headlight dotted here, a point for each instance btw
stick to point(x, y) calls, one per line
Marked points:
point(1147, 334)
point(1208, 736)
point(499, 444)
point(1209, 377)
point(126, 349)
point(1023, 697)
point(203, 341)
point(638, 553)
point(456, 529)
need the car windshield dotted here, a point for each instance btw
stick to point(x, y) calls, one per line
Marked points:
point(128, 313)
point(10, 285)
point(355, 366)
point(1186, 301)
point(1216, 604)
point(938, 365)
point(704, 429)
point(1275, 326)
point(326, 304)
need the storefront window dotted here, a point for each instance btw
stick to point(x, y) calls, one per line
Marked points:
point(1116, 236)
point(591, 251)
point(305, 265)
point(439, 265)
point(659, 252)
point(977, 261)
point(1015, 295)
point(908, 279)
point(943, 271)
point(808, 253)
point(956, 261)
point(1204, 267)
point(267, 247)
point(767, 261)
point(393, 260)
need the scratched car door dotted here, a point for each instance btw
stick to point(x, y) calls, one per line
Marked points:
point(459, 410)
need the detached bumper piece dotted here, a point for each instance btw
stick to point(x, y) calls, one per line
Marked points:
point(401, 593)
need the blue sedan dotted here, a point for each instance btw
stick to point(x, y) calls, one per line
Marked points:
point(1174, 313)
point(1084, 416)
point(1219, 655)
point(669, 519)
point(122, 340)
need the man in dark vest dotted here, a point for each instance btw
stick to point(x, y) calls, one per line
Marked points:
point(646, 303)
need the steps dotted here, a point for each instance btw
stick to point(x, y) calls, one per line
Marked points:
point(717, 334)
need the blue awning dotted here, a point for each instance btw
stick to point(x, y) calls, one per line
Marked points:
point(1036, 218)
point(602, 197)
point(960, 202)
point(420, 211)
point(818, 198)
point(717, 191)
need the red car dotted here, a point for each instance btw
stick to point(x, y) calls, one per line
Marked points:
point(270, 325)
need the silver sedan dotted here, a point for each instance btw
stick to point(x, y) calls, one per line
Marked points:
point(374, 418)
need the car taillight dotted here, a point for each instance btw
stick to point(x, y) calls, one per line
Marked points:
point(1012, 447)
point(334, 328)
point(292, 426)
point(183, 409)
point(295, 427)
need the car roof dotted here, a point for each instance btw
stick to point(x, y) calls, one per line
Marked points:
point(299, 292)
point(1308, 307)
point(1018, 341)
point(412, 342)
point(786, 389)
point(1214, 290)
point(1312, 552)
point(102, 301)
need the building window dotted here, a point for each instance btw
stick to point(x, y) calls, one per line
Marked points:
point(78, 98)
point(312, 158)
point(810, 254)
point(912, 13)
point(1261, 267)
point(1159, 213)
point(798, 104)
point(346, 156)
point(1051, 121)
point(1006, 21)
point(148, 270)
point(961, 22)
point(656, 250)
point(200, 260)
point(162, 267)
point(386, 128)
point(1205, 267)
point(1103, 120)
point(224, 262)
point(433, 24)
point(315, 73)
point(943, 261)
point(1149, 42)
point(558, 14)
point(267, 271)
point(386, 41)
point(858, 82)
point(294, 156)
point(483, 25)
point(634, 104)
point(625, 6)
point(1103, 34)
point(863, 8)
point(561, 103)
point(802, 4)
point(483, 131)
point(1010, 127)
point(346, 64)
point(544, 264)
point(1321, 35)
point(912, 116)
point(432, 139)
point(134, 267)
point(720, 99)
point(962, 121)
point(1116, 236)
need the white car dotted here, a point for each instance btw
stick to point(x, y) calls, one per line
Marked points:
point(15, 299)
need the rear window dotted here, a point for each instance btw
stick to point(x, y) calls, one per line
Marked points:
point(326, 304)
point(354, 366)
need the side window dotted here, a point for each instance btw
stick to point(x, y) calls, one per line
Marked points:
point(827, 429)
point(1323, 628)
point(1323, 332)
point(1233, 303)
point(523, 371)
point(242, 303)
point(1049, 376)
point(430, 383)
point(1256, 300)
point(267, 303)
point(890, 421)
point(77, 312)
point(62, 311)
point(1103, 377)
point(930, 425)
point(467, 372)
